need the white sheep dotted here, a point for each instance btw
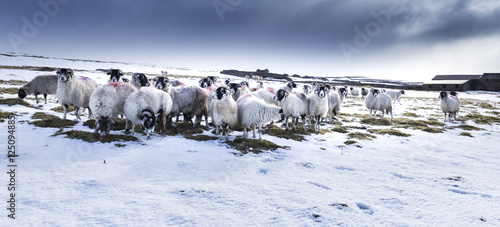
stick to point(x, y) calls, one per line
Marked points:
point(354, 91)
point(223, 110)
point(140, 80)
point(73, 91)
point(335, 100)
point(318, 105)
point(395, 95)
point(378, 101)
point(107, 101)
point(254, 112)
point(188, 100)
point(293, 105)
point(146, 107)
point(449, 104)
point(39, 85)
point(266, 94)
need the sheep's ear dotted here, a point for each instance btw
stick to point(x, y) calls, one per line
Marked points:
point(58, 72)
point(108, 73)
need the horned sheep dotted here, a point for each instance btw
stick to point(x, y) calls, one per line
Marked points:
point(146, 107)
point(46, 84)
point(378, 101)
point(73, 91)
point(318, 105)
point(449, 105)
point(294, 106)
point(223, 110)
point(107, 101)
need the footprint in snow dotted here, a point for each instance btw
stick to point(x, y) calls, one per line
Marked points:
point(365, 208)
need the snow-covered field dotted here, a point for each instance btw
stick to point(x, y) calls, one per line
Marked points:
point(446, 178)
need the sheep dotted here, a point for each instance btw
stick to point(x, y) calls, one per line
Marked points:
point(354, 91)
point(140, 80)
point(294, 106)
point(223, 110)
point(267, 95)
point(307, 89)
point(107, 101)
point(449, 104)
point(39, 85)
point(335, 99)
point(238, 90)
point(189, 100)
point(73, 91)
point(254, 112)
point(318, 105)
point(115, 75)
point(364, 92)
point(289, 86)
point(146, 107)
point(395, 95)
point(378, 101)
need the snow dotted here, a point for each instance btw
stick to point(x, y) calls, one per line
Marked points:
point(389, 181)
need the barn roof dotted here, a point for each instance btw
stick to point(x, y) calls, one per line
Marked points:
point(456, 77)
point(446, 82)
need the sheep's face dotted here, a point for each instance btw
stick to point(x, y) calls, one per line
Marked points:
point(306, 88)
point(220, 93)
point(375, 92)
point(227, 82)
point(280, 95)
point(261, 85)
point(205, 82)
point(244, 83)
point(65, 74)
point(234, 87)
point(141, 79)
point(103, 124)
point(291, 84)
point(443, 95)
point(22, 93)
point(402, 92)
point(115, 75)
point(161, 82)
point(343, 91)
point(322, 91)
point(213, 79)
point(148, 119)
point(351, 88)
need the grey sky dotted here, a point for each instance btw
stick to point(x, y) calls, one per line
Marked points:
point(399, 38)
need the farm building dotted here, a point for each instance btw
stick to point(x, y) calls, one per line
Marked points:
point(485, 82)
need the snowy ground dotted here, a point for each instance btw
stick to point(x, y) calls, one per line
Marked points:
point(425, 179)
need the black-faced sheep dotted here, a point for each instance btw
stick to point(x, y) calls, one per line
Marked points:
point(395, 95)
point(39, 85)
point(318, 105)
point(354, 91)
point(188, 100)
point(254, 112)
point(73, 91)
point(289, 86)
point(293, 105)
point(449, 105)
point(223, 110)
point(378, 101)
point(107, 101)
point(140, 80)
point(115, 75)
point(238, 90)
point(364, 92)
point(146, 107)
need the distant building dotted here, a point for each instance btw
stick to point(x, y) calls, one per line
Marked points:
point(485, 82)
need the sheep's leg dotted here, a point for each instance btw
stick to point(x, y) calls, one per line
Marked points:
point(286, 123)
point(383, 113)
point(399, 101)
point(303, 122)
point(163, 124)
point(77, 112)
point(65, 109)
point(45, 98)
point(227, 131)
point(375, 114)
point(126, 125)
point(91, 116)
point(36, 98)
point(391, 116)
point(216, 130)
point(260, 132)
point(133, 129)
point(370, 113)
point(295, 121)
point(254, 135)
point(244, 132)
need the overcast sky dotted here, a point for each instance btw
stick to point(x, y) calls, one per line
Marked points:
point(407, 40)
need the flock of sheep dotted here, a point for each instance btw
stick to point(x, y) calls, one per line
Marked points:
point(147, 102)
